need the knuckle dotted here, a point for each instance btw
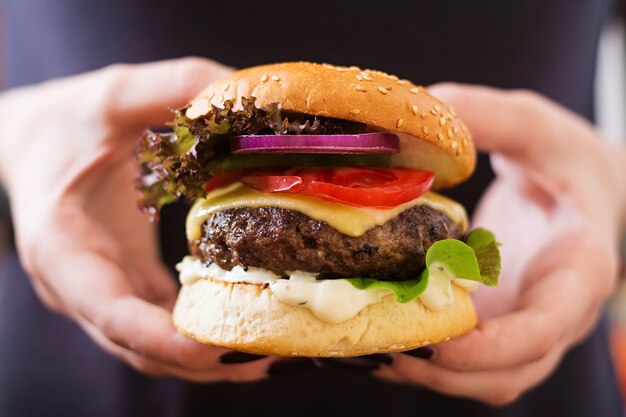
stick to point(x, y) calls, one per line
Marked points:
point(188, 69)
point(192, 63)
point(115, 71)
point(49, 301)
point(29, 253)
point(543, 348)
point(107, 327)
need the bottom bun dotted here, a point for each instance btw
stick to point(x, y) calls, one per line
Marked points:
point(249, 318)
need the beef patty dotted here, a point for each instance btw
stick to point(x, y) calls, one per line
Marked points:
point(283, 240)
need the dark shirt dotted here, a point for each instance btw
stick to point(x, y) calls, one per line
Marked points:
point(49, 367)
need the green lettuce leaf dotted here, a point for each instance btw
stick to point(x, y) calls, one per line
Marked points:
point(405, 291)
point(180, 163)
point(475, 259)
point(487, 254)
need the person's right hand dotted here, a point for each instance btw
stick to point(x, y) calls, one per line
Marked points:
point(66, 161)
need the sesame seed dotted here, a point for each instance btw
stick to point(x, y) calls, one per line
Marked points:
point(424, 115)
point(358, 77)
point(442, 121)
point(434, 111)
point(454, 145)
point(464, 141)
point(452, 112)
point(449, 116)
point(437, 107)
point(355, 111)
point(383, 90)
point(366, 76)
point(394, 77)
point(275, 78)
point(446, 339)
point(403, 82)
point(440, 136)
point(426, 343)
point(225, 86)
point(355, 68)
point(264, 78)
point(400, 123)
point(415, 109)
point(414, 90)
point(456, 129)
point(359, 88)
point(450, 135)
point(426, 130)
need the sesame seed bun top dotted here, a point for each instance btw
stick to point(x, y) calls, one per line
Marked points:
point(431, 135)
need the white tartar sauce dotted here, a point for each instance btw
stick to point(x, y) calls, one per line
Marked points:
point(331, 300)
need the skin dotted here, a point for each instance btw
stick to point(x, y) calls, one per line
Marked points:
point(79, 233)
point(89, 252)
point(558, 207)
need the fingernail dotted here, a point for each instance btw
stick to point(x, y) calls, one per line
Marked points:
point(290, 366)
point(353, 364)
point(385, 358)
point(422, 353)
point(239, 357)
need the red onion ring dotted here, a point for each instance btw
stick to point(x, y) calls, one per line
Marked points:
point(364, 143)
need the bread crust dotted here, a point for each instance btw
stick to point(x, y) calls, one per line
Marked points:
point(250, 318)
point(432, 137)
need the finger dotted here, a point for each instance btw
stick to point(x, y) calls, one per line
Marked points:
point(154, 283)
point(145, 94)
point(547, 141)
point(94, 286)
point(514, 122)
point(548, 310)
point(250, 371)
point(559, 294)
point(496, 387)
point(99, 291)
point(389, 374)
point(106, 203)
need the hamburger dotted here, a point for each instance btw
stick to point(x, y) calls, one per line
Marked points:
point(315, 230)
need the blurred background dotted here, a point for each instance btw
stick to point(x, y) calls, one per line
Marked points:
point(610, 118)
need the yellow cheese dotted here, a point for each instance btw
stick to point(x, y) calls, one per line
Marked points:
point(349, 220)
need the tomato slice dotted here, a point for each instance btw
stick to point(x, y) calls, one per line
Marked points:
point(370, 187)
point(224, 178)
point(275, 183)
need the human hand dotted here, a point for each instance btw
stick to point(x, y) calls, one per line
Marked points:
point(66, 161)
point(557, 206)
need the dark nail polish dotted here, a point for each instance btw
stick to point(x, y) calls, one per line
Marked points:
point(422, 353)
point(290, 366)
point(354, 364)
point(385, 358)
point(239, 357)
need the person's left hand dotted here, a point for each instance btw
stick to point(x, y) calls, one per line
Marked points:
point(557, 206)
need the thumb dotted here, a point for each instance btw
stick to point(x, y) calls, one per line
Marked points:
point(144, 94)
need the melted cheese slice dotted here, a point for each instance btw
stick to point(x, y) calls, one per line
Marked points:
point(350, 220)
